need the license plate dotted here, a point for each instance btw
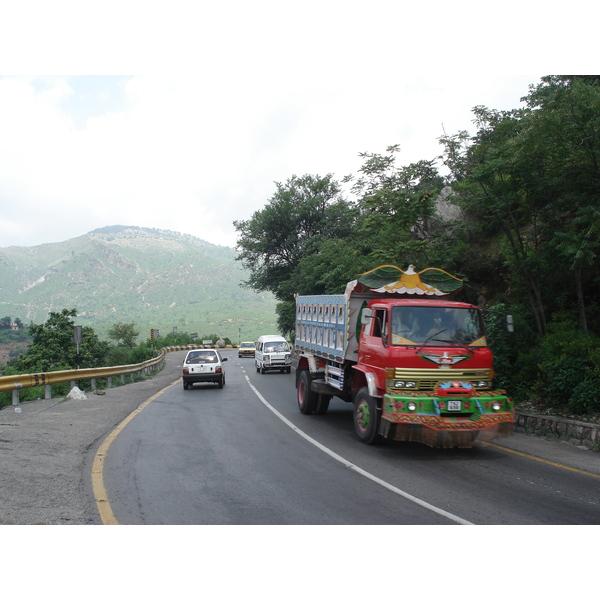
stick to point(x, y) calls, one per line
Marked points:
point(454, 404)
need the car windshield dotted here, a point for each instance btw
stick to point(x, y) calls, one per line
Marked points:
point(247, 345)
point(201, 356)
point(432, 326)
point(276, 347)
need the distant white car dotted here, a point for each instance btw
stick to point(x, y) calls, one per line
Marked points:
point(201, 366)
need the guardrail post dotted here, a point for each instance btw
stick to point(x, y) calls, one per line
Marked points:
point(15, 394)
point(108, 383)
point(93, 383)
point(47, 391)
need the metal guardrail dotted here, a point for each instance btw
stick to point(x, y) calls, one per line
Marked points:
point(15, 383)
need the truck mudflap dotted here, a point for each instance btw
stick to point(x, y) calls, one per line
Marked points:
point(440, 420)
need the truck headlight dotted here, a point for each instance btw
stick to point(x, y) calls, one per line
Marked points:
point(496, 405)
point(412, 406)
point(405, 384)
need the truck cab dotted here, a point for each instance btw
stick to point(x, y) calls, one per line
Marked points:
point(415, 344)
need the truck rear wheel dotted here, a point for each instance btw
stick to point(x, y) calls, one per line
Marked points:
point(307, 399)
point(366, 417)
point(322, 404)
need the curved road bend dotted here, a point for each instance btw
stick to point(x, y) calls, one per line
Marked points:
point(245, 455)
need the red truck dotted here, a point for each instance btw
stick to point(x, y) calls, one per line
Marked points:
point(414, 362)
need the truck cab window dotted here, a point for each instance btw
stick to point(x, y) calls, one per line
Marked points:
point(379, 324)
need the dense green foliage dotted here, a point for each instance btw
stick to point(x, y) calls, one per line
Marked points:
point(525, 230)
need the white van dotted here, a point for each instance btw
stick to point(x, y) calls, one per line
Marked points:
point(272, 352)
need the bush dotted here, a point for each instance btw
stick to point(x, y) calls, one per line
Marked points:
point(569, 371)
point(585, 399)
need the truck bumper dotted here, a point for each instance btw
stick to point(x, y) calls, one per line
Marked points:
point(442, 430)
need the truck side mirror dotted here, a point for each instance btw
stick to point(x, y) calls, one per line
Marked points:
point(366, 314)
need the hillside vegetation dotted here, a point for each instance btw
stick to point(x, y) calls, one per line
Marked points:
point(156, 279)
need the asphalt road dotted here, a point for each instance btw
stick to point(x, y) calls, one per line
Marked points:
point(245, 455)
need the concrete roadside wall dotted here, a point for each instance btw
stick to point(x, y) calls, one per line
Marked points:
point(579, 433)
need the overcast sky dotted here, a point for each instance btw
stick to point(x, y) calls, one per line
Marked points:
point(184, 118)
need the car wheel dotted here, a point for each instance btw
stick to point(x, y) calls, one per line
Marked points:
point(221, 382)
point(185, 385)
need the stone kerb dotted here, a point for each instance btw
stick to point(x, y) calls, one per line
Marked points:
point(575, 432)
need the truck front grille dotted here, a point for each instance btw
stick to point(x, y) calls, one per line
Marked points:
point(426, 380)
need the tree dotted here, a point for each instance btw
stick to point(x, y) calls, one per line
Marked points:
point(124, 334)
point(53, 347)
point(303, 215)
point(299, 216)
point(499, 194)
point(532, 175)
point(398, 205)
point(564, 128)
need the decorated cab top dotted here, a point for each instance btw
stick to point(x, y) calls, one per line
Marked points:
point(388, 279)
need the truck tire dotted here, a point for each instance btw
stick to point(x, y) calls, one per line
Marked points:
point(307, 399)
point(322, 404)
point(366, 418)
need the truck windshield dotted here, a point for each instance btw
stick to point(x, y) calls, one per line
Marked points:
point(435, 326)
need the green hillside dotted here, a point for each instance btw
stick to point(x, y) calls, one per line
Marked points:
point(154, 278)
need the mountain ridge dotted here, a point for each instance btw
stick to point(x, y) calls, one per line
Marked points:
point(155, 278)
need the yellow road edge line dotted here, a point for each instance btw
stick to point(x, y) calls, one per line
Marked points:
point(540, 459)
point(98, 488)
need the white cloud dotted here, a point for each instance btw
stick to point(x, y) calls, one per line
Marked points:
point(193, 154)
point(230, 97)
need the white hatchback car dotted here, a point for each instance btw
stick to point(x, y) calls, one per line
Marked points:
point(202, 366)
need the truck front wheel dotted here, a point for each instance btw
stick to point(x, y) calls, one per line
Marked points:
point(307, 399)
point(366, 417)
